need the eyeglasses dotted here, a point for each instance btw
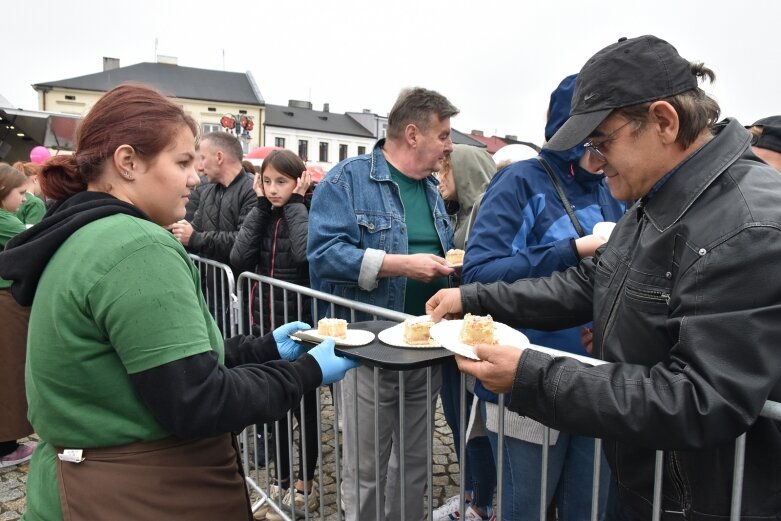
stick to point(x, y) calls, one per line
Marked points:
point(594, 147)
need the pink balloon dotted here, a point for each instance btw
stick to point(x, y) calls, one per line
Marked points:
point(39, 155)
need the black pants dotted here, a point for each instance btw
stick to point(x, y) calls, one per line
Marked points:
point(307, 429)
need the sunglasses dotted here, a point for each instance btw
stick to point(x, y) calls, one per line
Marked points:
point(594, 146)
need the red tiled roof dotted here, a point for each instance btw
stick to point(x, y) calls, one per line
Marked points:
point(492, 143)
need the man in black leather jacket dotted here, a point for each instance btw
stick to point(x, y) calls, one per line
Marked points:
point(683, 297)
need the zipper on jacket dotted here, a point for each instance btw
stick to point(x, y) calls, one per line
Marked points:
point(678, 483)
point(273, 266)
point(648, 295)
point(611, 318)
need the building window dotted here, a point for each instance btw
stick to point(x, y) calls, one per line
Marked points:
point(210, 127)
point(323, 152)
point(212, 109)
point(303, 149)
point(279, 142)
point(361, 151)
point(342, 152)
point(70, 97)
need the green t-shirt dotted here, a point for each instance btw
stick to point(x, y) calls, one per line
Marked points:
point(421, 238)
point(119, 297)
point(32, 209)
point(10, 225)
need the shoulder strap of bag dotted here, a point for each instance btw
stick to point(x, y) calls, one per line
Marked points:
point(562, 196)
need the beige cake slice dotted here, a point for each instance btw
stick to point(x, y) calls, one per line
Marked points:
point(476, 329)
point(417, 331)
point(455, 256)
point(333, 327)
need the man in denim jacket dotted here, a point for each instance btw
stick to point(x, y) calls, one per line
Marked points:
point(378, 232)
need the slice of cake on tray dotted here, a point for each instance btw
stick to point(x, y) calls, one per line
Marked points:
point(476, 329)
point(417, 331)
point(333, 327)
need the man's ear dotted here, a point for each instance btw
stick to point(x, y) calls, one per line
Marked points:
point(411, 135)
point(125, 160)
point(220, 157)
point(665, 119)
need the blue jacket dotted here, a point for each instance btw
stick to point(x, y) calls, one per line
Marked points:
point(355, 218)
point(522, 229)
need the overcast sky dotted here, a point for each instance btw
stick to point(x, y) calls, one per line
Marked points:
point(496, 60)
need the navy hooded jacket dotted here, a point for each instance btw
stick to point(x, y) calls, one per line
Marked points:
point(522, 229)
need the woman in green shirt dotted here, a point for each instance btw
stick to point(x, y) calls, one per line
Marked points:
point(130, 388)
point(13, 333)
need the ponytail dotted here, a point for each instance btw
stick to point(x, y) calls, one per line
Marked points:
point(60, 177)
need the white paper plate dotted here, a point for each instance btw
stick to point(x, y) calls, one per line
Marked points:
point(394, 336)
point(604, 228)
point(447, 332)
point(355, 337)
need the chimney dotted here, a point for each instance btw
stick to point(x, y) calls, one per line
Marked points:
point(367, 111)
point(169, 60)
point(477, 133)
point(326, 107)
point(511, 137)
point(109, 64)
point(299, 104)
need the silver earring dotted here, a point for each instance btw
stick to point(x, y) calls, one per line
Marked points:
point(127, 175)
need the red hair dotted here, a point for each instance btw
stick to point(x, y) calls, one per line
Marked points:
point(130, 114)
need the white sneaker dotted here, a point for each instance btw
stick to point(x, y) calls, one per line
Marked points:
point(309, 503)
point(471, 515)
point(273, 495)
point(449, 510)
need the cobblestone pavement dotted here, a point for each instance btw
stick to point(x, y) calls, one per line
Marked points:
point(445, 470)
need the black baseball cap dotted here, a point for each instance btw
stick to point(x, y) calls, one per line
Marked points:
point(629, 72)
point(771, 133)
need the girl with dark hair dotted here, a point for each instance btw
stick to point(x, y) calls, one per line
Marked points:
point(272, 242)
point(13, 332)
point(132, 390)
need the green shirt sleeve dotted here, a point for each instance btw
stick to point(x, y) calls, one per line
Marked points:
point(32, 210)
point(150, 308)
point(10, 226)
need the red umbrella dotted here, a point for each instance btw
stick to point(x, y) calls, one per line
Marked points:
point(261, 152)
point(316, 173)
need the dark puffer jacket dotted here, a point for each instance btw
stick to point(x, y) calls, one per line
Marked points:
point(272, 242)
point(221, 210)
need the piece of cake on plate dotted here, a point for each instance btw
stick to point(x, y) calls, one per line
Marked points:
point(417, 331)
point(454, 257)
point(476, 329)
point(333, 327)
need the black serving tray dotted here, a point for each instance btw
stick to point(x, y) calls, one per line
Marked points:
point(378, 354)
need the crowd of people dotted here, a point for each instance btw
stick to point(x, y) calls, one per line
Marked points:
point(110, 353)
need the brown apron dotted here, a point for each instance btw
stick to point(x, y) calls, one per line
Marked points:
point(13, 350)
point(168, 479)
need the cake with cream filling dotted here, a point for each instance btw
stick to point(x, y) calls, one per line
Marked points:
point(333, 327)
point(476, 329)
point(454, 256)
point(417, 331)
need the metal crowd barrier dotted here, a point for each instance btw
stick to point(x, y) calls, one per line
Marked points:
point(219, 289)
point(329, 486)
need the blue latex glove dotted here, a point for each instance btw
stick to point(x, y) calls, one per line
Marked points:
point(289, 349)
point(332, 365)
